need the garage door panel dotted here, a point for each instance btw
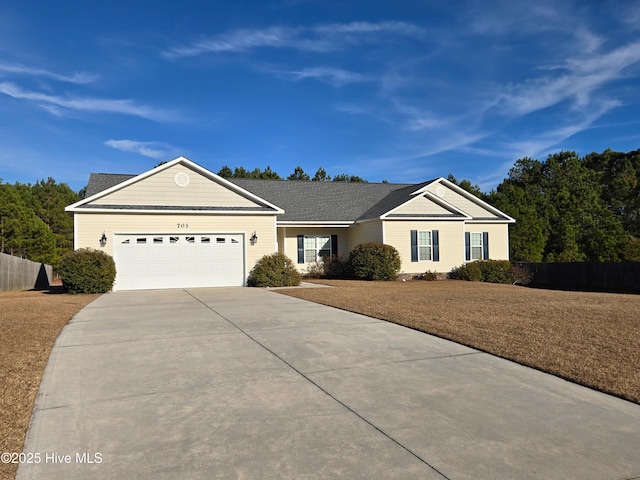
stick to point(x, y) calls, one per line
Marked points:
point(178, 261)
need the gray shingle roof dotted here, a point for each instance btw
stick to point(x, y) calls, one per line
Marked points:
point(321, 201)
point(102, 181)
point(305, 201)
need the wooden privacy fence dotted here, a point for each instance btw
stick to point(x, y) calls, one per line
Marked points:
point(20, 274)
point(622, 277)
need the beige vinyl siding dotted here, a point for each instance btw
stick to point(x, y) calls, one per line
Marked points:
point(90, 226)
point(290, 241)
point(365, 232)
point(421, 206)
point(451, 233)
point(498, 238)
point(161, 189)
point(461, 202)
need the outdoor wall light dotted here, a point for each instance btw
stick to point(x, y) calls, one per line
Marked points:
point(254, 238)
point(103, 240)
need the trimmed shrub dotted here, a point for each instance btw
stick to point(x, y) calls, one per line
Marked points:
point(469, 271)
point(492, 271)
point(430, 276)
point(336, 266)
point(275, 270)
point(374, 261)
point(87, 271)
point(495, 271)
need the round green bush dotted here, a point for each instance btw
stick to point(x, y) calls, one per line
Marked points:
point(469, 271)
point(374, 261)
point(87, 271)
point(275, 270)
point(496, 271)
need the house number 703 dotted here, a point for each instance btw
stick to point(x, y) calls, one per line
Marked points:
point(183, 225)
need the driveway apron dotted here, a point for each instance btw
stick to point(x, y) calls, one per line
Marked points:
point(242, 383)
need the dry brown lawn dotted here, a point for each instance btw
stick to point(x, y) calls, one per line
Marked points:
point(30, 321)
point(589, 338)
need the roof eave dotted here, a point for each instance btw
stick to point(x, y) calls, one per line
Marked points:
point(314, 223)
point(173, 211)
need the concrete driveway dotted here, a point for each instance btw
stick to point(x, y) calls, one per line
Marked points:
point(249, 384)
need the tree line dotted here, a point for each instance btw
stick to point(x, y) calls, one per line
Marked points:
point(298, 174)
point(567, 208)
point(33, 223)
point(572, 209)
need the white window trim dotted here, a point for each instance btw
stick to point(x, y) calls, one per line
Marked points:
point(317, 249)
point(428, 245)
point(472, 246)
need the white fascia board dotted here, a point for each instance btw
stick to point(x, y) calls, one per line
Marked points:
point(292, 223)
point(177, 212)
point(492, 220)
point(426, 219)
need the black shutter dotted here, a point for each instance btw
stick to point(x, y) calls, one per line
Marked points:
point(414, 245)
point(300, 248)
point(435, 241)
point(485, 245)
point(467, 246)
point(334, 245)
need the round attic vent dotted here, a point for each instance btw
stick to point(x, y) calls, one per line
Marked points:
point(181, 179)
point(440, 192)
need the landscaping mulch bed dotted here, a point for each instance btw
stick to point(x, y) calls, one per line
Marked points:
point(30, 321)
point(588, 338)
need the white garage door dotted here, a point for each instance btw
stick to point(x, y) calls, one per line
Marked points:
point(178, 261)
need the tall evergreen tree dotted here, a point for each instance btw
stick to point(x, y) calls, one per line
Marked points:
point(321, 176)
point(49, 200)
point(298, 174)
point(22, 232)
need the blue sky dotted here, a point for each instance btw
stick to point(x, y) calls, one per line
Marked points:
point(404, 91)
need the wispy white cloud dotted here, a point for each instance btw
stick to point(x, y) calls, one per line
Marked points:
point(404, 29)
point(157, 150)
point(550, 138)
point(354, 109)
point(19, 69)
point(453, 141)
point(333, 76)
point(237, 41)
point(585, 74)
point(318, 38)
point(628, 13)
point(508, 18)
point(416, 119)
point(58, 105)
